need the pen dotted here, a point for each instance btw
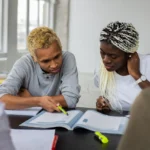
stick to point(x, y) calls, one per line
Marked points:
point(101, 137)
point(62, 110)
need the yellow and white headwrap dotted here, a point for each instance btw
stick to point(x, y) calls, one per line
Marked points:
point(125, 37)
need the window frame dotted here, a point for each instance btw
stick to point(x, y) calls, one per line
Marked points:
point(1, 6)
point(49, 20)
point(9, 53)
point(4, 29)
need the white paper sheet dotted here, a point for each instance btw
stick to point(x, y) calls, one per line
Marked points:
point(24, 112)
point(98, 120)
point(32, 139)
point(48, 117)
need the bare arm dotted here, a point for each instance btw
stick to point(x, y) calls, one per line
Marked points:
point(58, 99)
point(17, 102)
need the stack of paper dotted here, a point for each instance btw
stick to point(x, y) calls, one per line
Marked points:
point(24, 112)
point(5, 139)
point(32, 139)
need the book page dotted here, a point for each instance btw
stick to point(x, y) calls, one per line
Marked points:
point(24, 112)
point(96, 120)
point(32, 139)
point(55, 117)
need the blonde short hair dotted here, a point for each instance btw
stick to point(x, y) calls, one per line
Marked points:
point(41, 37)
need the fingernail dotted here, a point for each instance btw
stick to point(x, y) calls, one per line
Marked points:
point(57, 104)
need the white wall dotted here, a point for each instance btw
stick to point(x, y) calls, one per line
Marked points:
point(88, 17)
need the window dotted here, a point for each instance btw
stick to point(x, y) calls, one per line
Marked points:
point(31, 14)
point(3, 28)
point(19, 17)
point(21, 24)
point(1, 6)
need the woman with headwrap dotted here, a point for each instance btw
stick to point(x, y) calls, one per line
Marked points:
point(123, 72)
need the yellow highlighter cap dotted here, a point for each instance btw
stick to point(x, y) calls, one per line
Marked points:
point(101, 137)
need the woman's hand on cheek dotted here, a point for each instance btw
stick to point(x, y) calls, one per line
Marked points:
point(133, 66)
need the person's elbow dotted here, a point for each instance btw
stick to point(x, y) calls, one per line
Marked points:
point(71, 101)
point(6, 99)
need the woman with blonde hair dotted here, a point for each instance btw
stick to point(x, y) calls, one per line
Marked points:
point(123, 72)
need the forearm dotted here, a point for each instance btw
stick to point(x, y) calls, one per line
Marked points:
point(60, 99)
point(16, 102)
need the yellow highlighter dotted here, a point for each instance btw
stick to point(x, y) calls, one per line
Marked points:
point(101, 137)
point(1, 81)
point(62, 110)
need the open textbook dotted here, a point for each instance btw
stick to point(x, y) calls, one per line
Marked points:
point(91, 120)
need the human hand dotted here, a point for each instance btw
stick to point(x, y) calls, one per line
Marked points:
point(103, 105)
point(24, 93)
point(47, 103)
point(133, 66)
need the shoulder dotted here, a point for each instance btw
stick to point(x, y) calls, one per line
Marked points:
point(68, 59)
point(25, 61)
point(69, 62)
point(67, 55)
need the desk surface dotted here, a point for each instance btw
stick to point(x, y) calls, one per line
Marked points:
point(79, 139)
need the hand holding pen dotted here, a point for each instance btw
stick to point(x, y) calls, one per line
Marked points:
point(61, 109)
point(103, 105)
point(48, 104)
